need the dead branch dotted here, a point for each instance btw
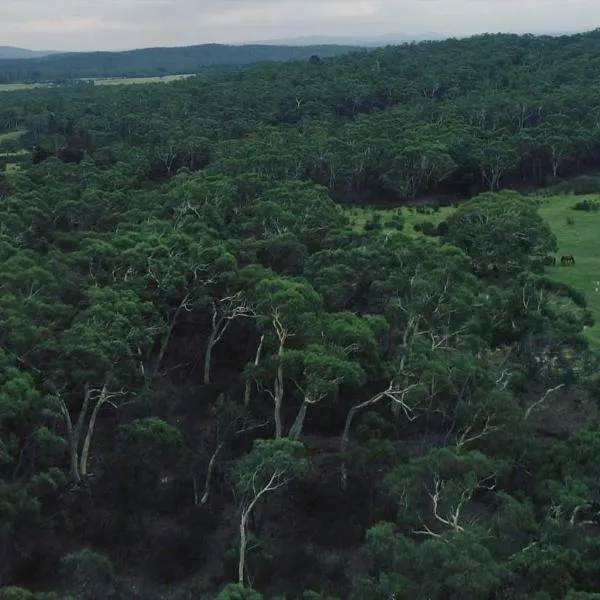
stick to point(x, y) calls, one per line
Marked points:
point(467, 436)
point(542, 399)
point(393, 393)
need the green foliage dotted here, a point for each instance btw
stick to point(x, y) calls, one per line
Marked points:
point(88, 575)
point(149, 447)
point(234, 591)
point(17, 593)
point(65, 68)
point(502, 232)
point(353, 406)
point(281, 459)
point(587, 205)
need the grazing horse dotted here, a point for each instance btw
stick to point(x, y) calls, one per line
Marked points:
point(567, 260)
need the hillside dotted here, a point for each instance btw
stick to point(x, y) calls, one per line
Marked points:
point(10, 52)
point(377, 40)
point(306, 330)
point(150, 62)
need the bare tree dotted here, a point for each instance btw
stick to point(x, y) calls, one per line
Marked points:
point(183, 305)
point(471, 434)
point(396, 395)
point(257, 358)
point(276, 481)
point(298, 424)
point(277, 394)
point(452, 516)
point(79, 461)
point(541, 401)
point(224, 312)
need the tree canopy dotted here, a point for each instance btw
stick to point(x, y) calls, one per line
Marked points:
point(214, 384)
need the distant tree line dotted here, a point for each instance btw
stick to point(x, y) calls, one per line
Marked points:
point(393, 124)
point(153, 62)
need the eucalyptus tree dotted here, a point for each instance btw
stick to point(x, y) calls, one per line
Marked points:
point(268, 467)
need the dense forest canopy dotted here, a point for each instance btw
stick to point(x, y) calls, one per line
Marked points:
point(214, 385)
point(148, 62)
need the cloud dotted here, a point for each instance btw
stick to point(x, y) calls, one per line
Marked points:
point(117, 24)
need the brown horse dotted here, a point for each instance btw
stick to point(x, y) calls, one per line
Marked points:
point(567, 260)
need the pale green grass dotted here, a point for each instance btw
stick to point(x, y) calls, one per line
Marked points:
point(15, 87)
point(12, 168)
point(12, 87)
point(11, 135)
point(136, 80)
point(359, 217)
point(581, 239)
point(21, 152)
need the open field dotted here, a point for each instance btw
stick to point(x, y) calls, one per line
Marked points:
point(137, 80)
point(11, 135)
point(12, 168)
point(359, 218)
point(12, 87)
point(21, 152)
point(577, 233)
point(15, 87)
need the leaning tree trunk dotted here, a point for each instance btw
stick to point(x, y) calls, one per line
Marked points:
point(298, 425)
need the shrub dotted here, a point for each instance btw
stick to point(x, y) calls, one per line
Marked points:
point(427, 228)
point(587, 205)
point(396, 222)
point(88, 574)
point(579, 186)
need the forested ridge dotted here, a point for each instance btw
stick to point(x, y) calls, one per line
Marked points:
point(213, 385)
point(149, 62)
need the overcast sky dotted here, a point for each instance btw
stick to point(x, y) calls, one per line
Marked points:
point(122, 24)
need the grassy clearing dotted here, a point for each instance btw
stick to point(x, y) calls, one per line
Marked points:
point(11, 135)
point(577, 233)
point(15, 87)
point(12, 168)
point(136, 80)
point(360, 218)
point(12, 87)
point(21, 152)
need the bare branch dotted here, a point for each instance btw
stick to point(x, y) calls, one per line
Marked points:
point(467, 436)
point(275, 482)
point(394, 394)
point(542, 399)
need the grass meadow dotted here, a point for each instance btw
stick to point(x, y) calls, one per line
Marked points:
point(13, 87)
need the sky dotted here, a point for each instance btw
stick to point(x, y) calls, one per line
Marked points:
point(73, 25)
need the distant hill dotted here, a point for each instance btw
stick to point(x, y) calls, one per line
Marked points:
point(150, 62)
point(390, 39)
point(10, 52)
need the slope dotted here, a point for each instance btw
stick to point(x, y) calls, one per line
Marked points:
point(150, 62)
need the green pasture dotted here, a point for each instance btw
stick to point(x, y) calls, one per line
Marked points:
point(21, 152)
point(361, 217)
point(11, 87)
point(12, 168)
point(136, 80)
point(11, 135)
point(15, 87)
point(578, 233)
